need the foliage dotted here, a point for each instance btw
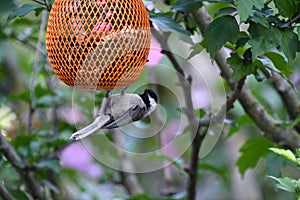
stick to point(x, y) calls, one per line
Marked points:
point(288, 184)
point(252, 151)
point(261, 39)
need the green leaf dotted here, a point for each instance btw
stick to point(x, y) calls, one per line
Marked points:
point(196, 49)
point(287, 8)
point(240, 70)
point(290, 44)
point(177, 163)
point(139, 197)
point(242, 40)
point(279, 62)
point(167, 24)
point(221, 171)
point(259, 19)
point(286, 183)
point(187, 6)
point(23, 140)
point(225, 11)
point(51, 186)
point(242, 121)
point(18, 194)
point(274, 164)
point(200, 112)
point(225, 1)
point(42, 91)
point(298, 32)
point(23, 96)
point(263, 39)
point(245, 8)
point(2, 35)
point(297, 151)
point(288, 154)
point(22, 11)
point(52, 164)
point(221, 30)
point(6, 7)
point(252, 150)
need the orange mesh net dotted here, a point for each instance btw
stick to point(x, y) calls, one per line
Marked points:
point(98, 44)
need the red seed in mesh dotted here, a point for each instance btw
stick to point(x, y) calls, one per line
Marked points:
point(98, 44)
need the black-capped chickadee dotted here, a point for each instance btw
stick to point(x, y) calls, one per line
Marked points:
point(118, 110)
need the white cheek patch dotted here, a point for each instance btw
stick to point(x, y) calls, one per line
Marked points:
point(153, 104)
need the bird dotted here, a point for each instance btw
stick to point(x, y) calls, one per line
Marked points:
point(118, 110)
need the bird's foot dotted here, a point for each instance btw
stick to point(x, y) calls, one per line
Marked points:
point(107, 93)
point(123, 90)
point(75, 137)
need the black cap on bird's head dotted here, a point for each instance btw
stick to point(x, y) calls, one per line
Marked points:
point(149, 93)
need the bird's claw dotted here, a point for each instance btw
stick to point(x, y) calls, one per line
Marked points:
point(123, 90)
point(74, 137)
point(107, 93)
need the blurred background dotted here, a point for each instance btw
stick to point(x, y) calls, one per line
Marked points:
point(38, 113)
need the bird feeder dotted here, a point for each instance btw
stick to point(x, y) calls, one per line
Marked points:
point(98, 44)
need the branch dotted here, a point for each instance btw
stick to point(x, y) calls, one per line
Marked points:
point(4, 193)
point(23, 41)
point(295, 19)
point(193, 166)
point(219, 116)
point(235, 94)
point(251, 106)
point(32, 187)
point(199, 137)
point(166, 49)
point(288, 96)
point(35, 69)
point(185, 83)
point(255, 110)
point(128, 180)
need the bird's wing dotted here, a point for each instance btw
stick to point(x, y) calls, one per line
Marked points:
point(133, 114)
point(91, 128)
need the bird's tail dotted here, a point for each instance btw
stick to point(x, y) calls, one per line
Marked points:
point(91, 128)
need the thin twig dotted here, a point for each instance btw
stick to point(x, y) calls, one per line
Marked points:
point(23, 41)
point(4, 193)
point(32, 186)
point(295, 19)
point(166, 50)
point(185, 83)
point(234, 95)
point(219, 116)
point(43, 3)
point(288, 96)
point(35, 69)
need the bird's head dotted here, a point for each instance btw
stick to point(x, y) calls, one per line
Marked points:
point(150, 98)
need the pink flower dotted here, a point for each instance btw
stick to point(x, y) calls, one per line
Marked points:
point(151, 6)
point(75, 156)
point(168, 135)
point(155, 54)
point(71, 115)
point(200, 98)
